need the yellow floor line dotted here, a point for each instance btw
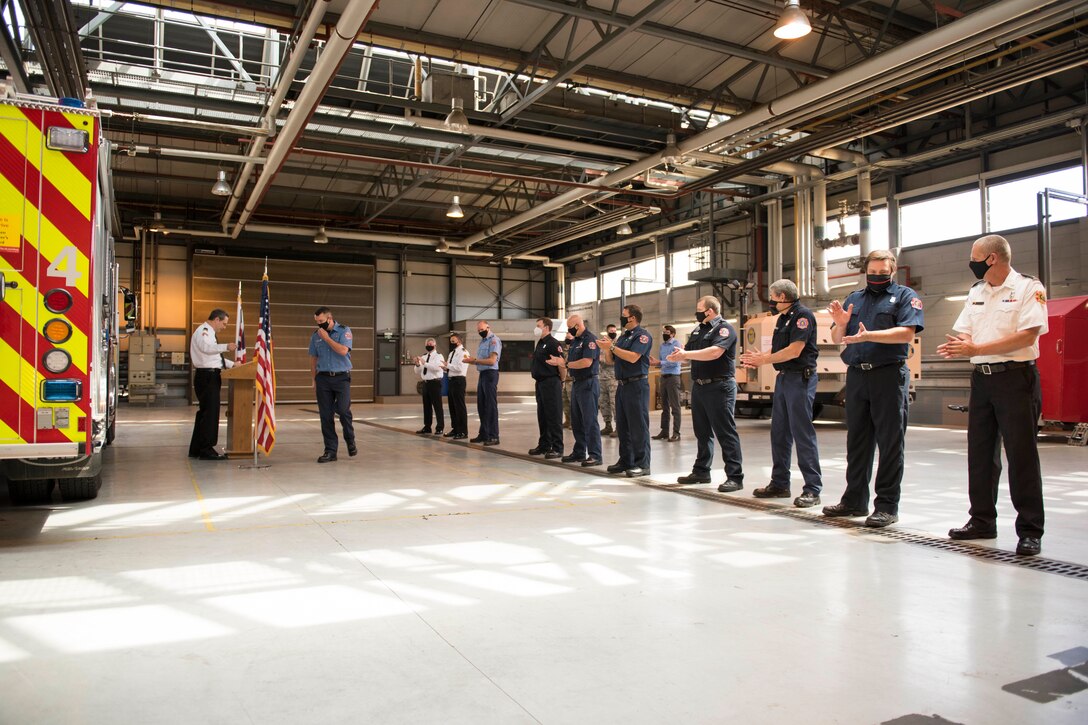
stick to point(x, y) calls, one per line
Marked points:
point(200, 499)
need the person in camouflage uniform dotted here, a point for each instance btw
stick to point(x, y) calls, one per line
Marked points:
point(608, 389)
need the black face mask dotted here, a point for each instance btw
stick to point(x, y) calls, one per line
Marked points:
point(980, 268)
point(700, 316)
point(430, 348)
point(612, 336)
point(623, 321)
point(453, 346)
point(772, 307)
point(324, 325)
point(878, 282)
point(572, 331)
point(665, 337)
point(483, 333)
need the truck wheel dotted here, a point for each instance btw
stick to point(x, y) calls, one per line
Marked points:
point(27, 493)
point(80, 489)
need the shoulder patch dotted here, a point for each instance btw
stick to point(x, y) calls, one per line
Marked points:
point(347, 335)
point(644, 339)
point(916, 303)
point(1040, 297)
point(592, 346)
point(802, 323)
point(723, 331)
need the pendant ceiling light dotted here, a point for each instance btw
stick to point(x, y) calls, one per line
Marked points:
point(455, 211)
point(221, 187)
point(792, 23)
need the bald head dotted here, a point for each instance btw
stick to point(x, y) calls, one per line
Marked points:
point(992, 244)
point(575, 321)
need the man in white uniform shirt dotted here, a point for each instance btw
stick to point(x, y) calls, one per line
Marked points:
point(457, 369)
point(206, 358)
point(429, 367)
point(1000, 327)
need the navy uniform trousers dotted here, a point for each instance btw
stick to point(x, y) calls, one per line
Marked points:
point(791, 426)
point(208, 385)
point(876, 418)
point(584, 398)
point(334, 400)
point(633, 422)
point(1005, 406)
point(549, 413)
point(487, 403)
point(712, 407)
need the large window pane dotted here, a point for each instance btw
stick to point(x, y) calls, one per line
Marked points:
point(681, 265)
point(1014, 203)
point(944, 217)
point(610, 282)
point(649, 275)
point(583, 291)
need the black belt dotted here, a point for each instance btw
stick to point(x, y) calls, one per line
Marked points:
point(333, 375)
point(991, 368)
point(807, 372)
point(209, 370)
point(670, 375)
point(708, 381)
point(873, 366)
point(631, 379)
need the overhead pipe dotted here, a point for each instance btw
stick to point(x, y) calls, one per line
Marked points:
point(283, 84)
point(865, 211)
point(184, 153)
point(819, 253)
point(867, 76)
point(186, 123)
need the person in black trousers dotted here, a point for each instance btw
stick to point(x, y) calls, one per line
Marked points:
point(549, 392)
point(430, 368)
point(457, 371)
point(206, 356)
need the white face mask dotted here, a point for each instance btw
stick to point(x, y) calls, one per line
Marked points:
point(537, 332)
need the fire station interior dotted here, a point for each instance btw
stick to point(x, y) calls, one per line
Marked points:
point(419, 166)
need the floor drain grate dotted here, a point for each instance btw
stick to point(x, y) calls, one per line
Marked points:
point(1035, 563)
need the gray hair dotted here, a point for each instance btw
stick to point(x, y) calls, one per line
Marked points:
point(430, 339)
point(710, 302)
point(786, 288)
point(995, 244)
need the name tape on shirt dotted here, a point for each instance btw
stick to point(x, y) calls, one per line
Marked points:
point(802, 323)
point(916, 303)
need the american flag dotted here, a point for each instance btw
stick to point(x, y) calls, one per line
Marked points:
point(239, 331)
point(266, 377)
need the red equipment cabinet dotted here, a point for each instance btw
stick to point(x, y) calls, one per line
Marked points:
point(1063, 361)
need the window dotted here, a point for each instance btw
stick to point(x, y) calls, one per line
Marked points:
point(878, 231)
point(1013, 204)
point(583, 290)
point(649, 275)
point(944, 217)
point(610, 282)
point(681, 265)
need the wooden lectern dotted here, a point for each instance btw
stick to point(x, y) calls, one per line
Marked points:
point(241, 395)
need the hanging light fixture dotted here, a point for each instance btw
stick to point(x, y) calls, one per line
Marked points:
point(457, 120)
point(221, 187)
point(157, 225)
point(671, 153)
point(321, 237)
point(624, 229)
point(455, 211)
point(685, 120)
point(792, 23)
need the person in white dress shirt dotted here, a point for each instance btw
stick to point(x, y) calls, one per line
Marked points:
point(429, 367)
point(457, 370)
point(206, 358)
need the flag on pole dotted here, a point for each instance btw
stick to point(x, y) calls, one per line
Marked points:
point(265, 431)
point(239, 331)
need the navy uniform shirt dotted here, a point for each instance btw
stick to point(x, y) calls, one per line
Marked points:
point(716, 333)
point(546, 346)
point(327, 360)
point(797, 323)
point(581, 348)
point(635, 340)
point(897, 306)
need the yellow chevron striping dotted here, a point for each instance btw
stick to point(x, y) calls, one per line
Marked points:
point(58, 169)
point(8, 434)
point(76, 346)
point(10, 359)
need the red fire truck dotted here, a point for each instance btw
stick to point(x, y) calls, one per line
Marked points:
point(58, 299)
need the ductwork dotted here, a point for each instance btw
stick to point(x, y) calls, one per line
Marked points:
point(283, 84)
point(892, 67)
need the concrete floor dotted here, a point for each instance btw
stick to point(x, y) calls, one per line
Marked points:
point(429, 582)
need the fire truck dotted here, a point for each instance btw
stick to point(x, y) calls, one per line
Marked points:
point(58, 298)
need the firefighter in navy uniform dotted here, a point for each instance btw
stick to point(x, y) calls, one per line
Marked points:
point(999, 328)
point(877, 325)
point(549, 392)
point(793, 354)
point(631, 355)
point(711, 348)
point(583, 365)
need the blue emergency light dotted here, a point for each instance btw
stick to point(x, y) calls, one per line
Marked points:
point(62, 391)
